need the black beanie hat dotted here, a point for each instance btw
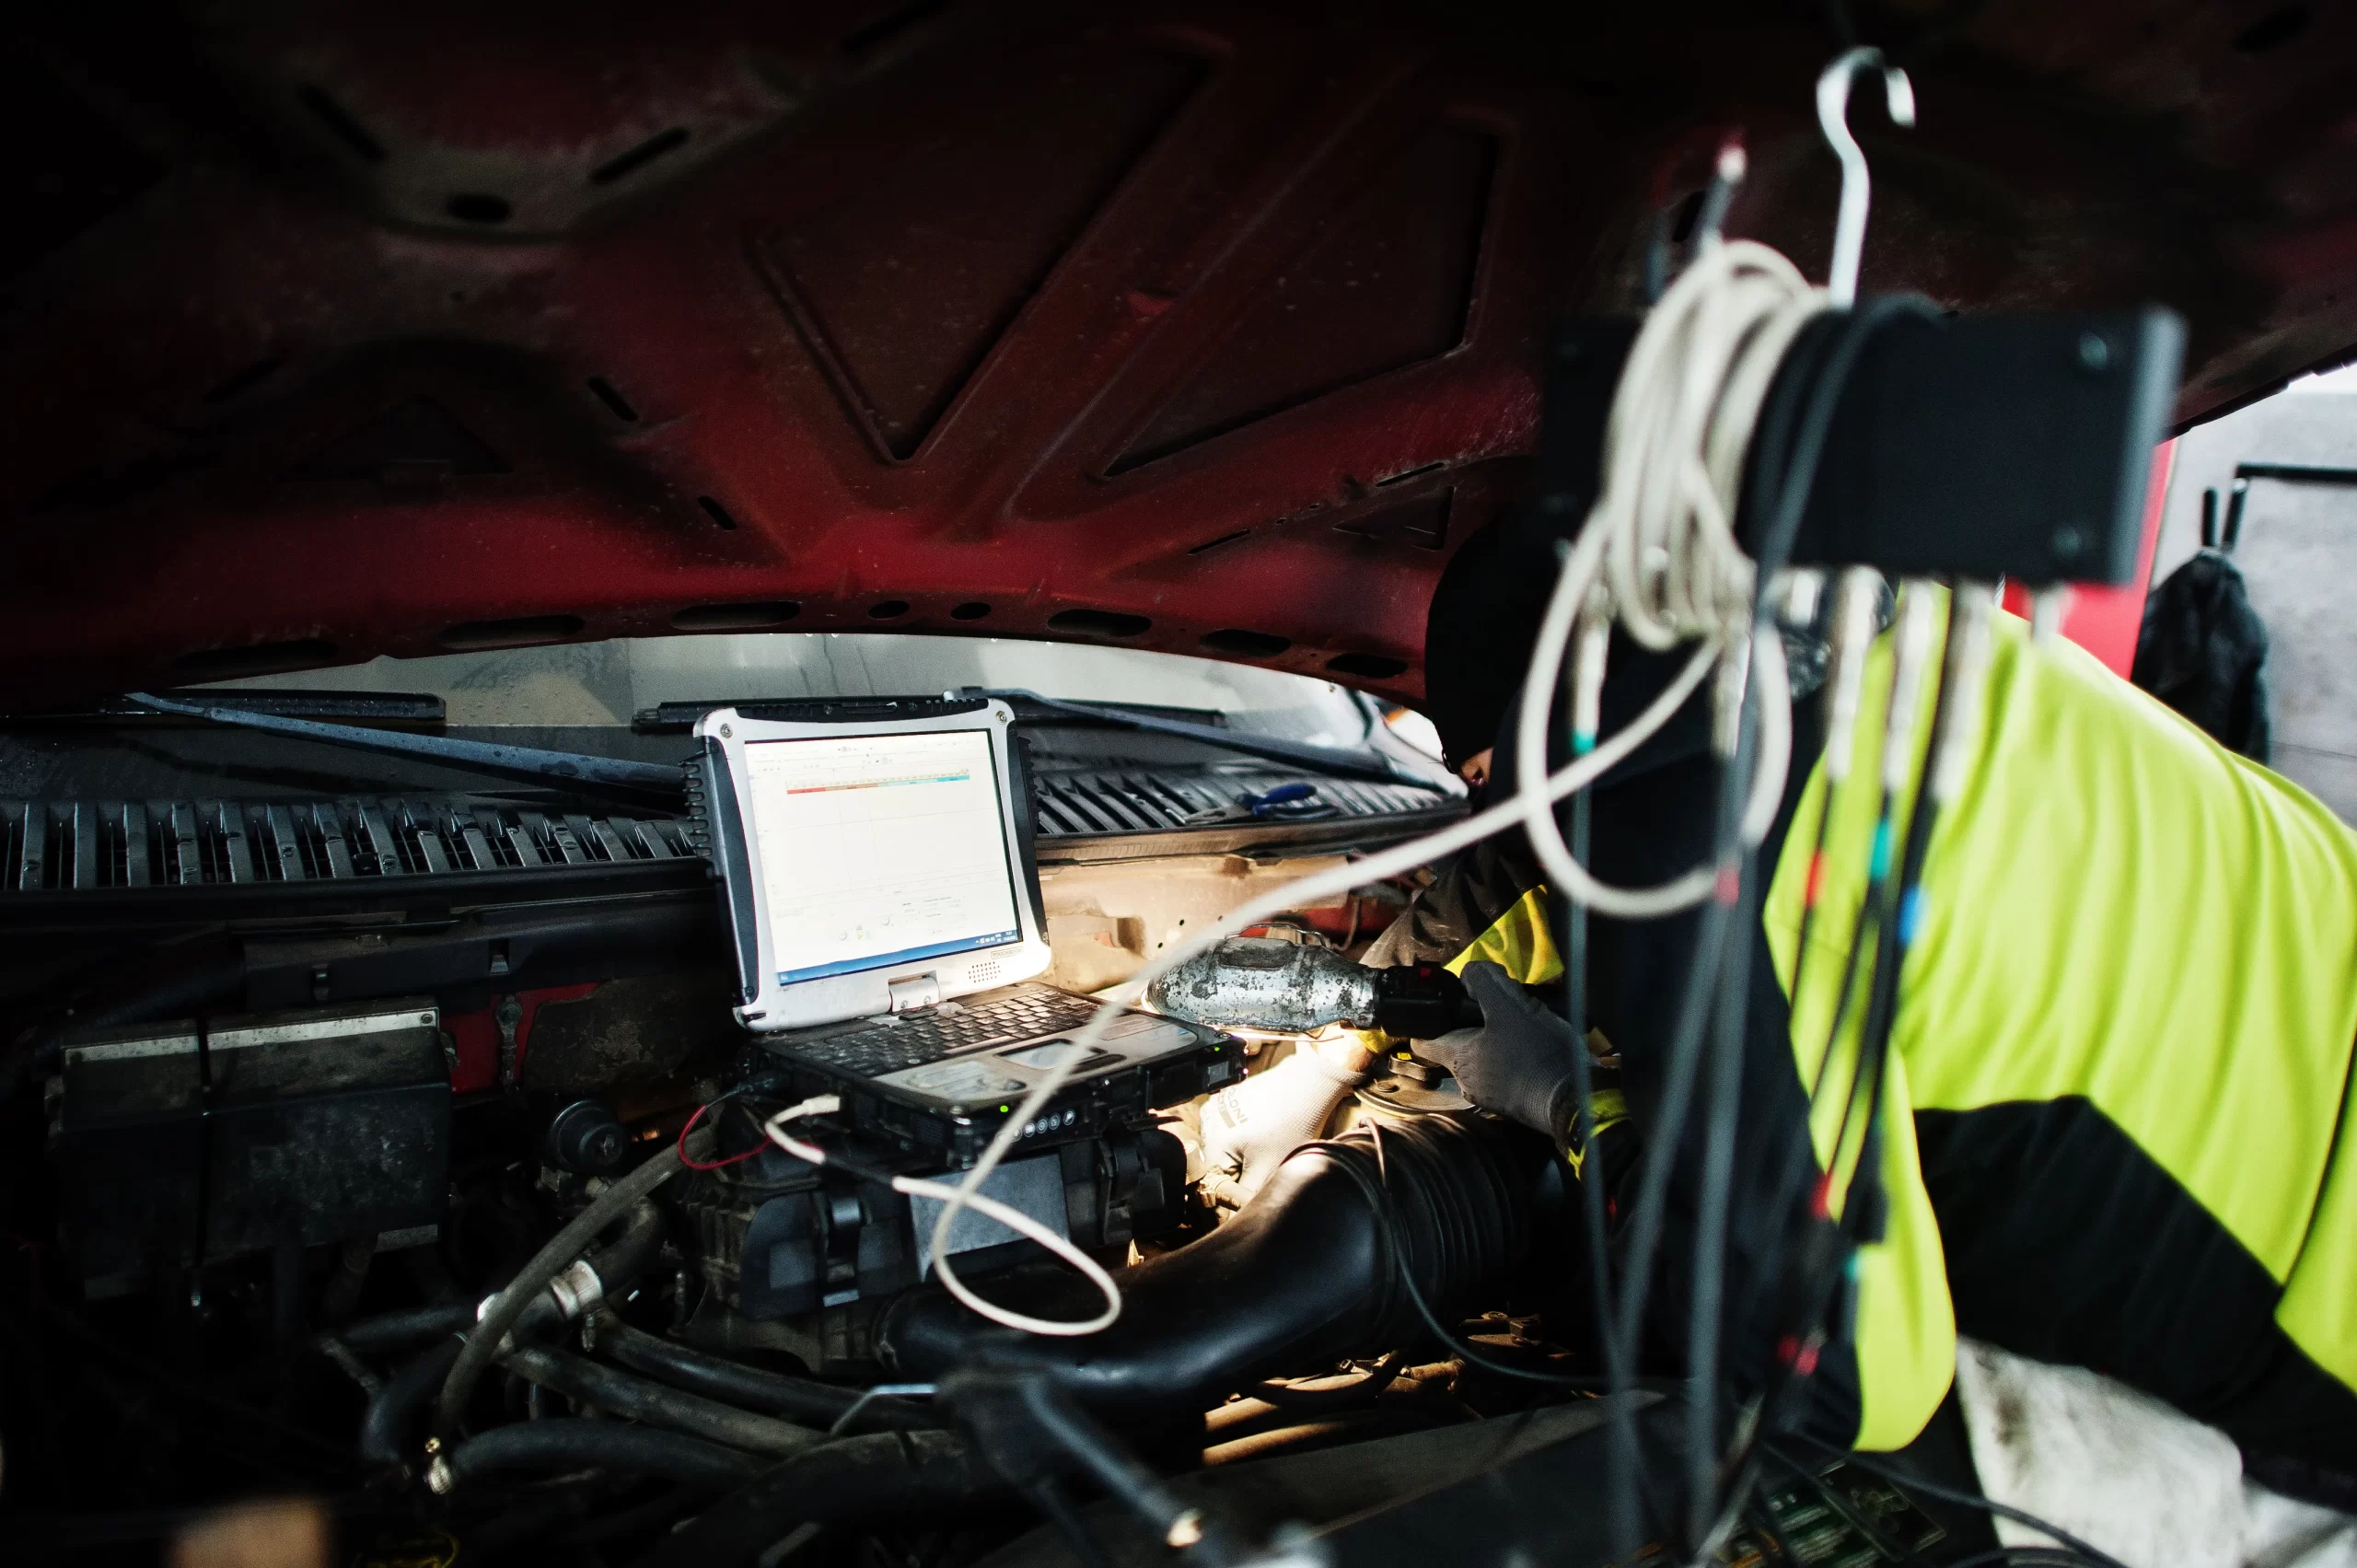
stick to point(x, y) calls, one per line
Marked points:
point(1479, 632)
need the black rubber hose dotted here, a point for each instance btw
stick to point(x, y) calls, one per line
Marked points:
point(622, 1257)
point(895, 1473)
point(503, 1311)
point(389, 1432)
point(1303, 1274)
point(621, 1394)
point(562, 1444)
point(733, 1382)
point(390, 1332)
point(388, 1429)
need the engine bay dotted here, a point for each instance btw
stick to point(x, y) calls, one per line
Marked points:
point(250, 1243)
point(433, 1134)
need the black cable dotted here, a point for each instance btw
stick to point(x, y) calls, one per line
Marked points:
point(718, 1378)
point(658, 1404)
point(1653, 1199)
point(1047, 1494)
point(1861, 1216)
point(1828, 372)
point(2022, 1557)
point(389, 1331)
point(1378, 1196)
point(883, 1474)
point(2086, 1553)
point(1882, 1541)
point(563, 1444)
point(624, 1200)
point(1032, 1427)
point(1582, 1128)
point(1705, 1313)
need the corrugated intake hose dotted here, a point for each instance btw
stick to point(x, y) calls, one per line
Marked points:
point(896, 1473)
point(501, 1314)
point(733, 1382)
point(619, 1393)
point(558, 1446)
point(1303, 1274)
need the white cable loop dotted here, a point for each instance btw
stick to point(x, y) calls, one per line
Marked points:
point(1015, 1219)
point(1660, 537)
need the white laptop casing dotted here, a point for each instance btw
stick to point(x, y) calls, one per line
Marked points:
point(768, 1005)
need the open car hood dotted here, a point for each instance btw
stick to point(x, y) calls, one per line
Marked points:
point(340, 331)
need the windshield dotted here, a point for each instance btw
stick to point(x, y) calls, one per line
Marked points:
point(595, 685)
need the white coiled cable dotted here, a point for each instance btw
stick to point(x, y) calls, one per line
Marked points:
point(1658, 554)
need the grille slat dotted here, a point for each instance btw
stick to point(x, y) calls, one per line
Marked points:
point(180, 847)
point(134, 846)
point(285, 846)
point(333, 846)
point(1075, 799)
point(83, 826)
point(375, 837)
point(235, 854)
point(469, 837)
point(33, 851)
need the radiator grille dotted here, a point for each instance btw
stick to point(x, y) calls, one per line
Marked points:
point(152, 843)
point(49, 845)
point(1093, 804)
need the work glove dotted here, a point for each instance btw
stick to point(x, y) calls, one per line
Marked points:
point(1518, 1063)
point(1248, 1128)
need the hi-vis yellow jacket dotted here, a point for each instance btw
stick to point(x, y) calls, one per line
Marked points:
point(2116, 1103)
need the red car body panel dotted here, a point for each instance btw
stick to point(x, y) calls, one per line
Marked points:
point(394, 330)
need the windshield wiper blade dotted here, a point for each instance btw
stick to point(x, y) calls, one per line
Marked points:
point(1375, 768)
point(637, 783)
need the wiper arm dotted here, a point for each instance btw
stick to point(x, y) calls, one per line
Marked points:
point(1332, 759)
point(637, 783)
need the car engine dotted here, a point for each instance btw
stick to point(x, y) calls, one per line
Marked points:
point(288, 1219)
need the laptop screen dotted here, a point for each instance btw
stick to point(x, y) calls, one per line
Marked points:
point(879, 849)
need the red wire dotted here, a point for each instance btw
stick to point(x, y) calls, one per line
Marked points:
point(693, 1164)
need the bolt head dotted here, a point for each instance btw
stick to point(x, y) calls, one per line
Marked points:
point(2094, 355)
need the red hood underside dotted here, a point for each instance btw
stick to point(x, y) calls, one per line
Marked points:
point(345, 332)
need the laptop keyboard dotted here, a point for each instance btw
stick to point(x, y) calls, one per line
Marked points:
point(913, 1039)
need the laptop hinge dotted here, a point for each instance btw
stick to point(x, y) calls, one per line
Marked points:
point(917, 990)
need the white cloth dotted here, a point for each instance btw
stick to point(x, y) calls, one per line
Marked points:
point(1248, 1128)
point(2125, 1472)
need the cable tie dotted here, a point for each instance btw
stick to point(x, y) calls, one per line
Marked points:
point(1910, 914)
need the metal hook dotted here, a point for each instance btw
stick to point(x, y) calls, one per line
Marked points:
point(1833, 117)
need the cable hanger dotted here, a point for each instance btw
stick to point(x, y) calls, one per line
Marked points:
point(1857, 185)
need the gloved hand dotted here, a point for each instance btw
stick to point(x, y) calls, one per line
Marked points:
point(1518, 1063)
point(1250, 1128)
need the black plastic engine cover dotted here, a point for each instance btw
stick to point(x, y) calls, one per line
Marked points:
point(181, 1145)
